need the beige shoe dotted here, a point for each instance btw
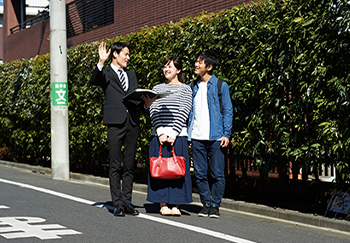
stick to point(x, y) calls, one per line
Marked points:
point(165, 211)
point(175, 212)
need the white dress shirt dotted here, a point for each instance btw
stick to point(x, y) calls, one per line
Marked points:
point(115, 69)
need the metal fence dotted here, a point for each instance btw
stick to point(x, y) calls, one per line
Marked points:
point(81, 16)
point(39, 18)
point(86, 15)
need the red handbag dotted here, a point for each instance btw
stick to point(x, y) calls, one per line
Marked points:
point(167, 168)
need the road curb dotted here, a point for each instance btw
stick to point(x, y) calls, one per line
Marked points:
point(278, 213)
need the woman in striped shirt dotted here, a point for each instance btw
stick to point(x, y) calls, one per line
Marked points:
point(169, 116)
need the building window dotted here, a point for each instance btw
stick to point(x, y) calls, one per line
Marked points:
point(86, 15)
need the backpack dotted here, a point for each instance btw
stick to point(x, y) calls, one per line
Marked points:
point(219, 84)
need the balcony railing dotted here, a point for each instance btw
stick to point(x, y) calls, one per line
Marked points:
point(40, 17)
point(81, 16)
point(86, 15)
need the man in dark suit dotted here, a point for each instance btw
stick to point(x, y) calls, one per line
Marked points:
point(122, 119)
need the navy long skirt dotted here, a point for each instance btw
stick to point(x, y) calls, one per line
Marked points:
point(178, 191)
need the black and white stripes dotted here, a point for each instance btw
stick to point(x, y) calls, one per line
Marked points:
point(122, 79)
point(169, 115)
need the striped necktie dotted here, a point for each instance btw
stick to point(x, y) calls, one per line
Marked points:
point(122, 79)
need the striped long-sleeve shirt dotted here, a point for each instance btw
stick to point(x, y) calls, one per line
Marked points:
point(169, 114)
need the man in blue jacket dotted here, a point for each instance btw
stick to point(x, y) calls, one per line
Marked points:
point(209, 130)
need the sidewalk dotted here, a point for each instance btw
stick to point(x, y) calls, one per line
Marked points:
point(289, 215)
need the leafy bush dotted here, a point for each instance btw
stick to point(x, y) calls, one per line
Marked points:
point(286, 63)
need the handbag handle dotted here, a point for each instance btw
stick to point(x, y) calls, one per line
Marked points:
point(172, 151)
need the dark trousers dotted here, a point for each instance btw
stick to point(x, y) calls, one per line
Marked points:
point(118, 135)
point(209, 155)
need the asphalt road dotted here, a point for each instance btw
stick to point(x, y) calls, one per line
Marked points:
point(35, 208)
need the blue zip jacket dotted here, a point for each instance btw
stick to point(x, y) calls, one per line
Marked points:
point(220, 124)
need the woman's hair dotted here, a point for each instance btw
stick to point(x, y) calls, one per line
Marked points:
point(178, 64)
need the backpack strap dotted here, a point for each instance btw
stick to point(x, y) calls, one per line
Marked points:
point(192, 85)
point(219, 84)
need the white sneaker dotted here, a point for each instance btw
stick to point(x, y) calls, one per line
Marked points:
point(165, 211)
point(175, 212)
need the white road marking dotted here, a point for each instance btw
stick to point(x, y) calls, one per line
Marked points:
point(144, 216)
point(58, 194)
point(25, 227)
point(196, 229)
point(3, 207)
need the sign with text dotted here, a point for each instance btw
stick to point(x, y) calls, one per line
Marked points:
point(341, 203)
point(60, 94)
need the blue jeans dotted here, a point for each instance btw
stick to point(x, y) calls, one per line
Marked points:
point(209, 153)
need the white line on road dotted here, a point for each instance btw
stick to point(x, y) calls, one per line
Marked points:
point(144, 216)
point(196, 229)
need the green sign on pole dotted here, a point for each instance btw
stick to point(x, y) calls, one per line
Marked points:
point(60, 94)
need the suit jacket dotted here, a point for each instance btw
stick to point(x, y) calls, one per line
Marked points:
point(115, 108)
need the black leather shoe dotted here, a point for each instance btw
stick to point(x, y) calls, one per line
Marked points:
point(129, 209)
point(119, 211)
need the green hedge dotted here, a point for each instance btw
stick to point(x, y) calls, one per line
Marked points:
point(287, 64)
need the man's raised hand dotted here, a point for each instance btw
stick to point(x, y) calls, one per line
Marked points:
point(103, 54)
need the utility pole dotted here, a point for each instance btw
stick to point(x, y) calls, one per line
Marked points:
point(59, 91)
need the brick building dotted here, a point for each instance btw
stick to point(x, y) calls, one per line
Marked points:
point(32, 7)
point(91, 20)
